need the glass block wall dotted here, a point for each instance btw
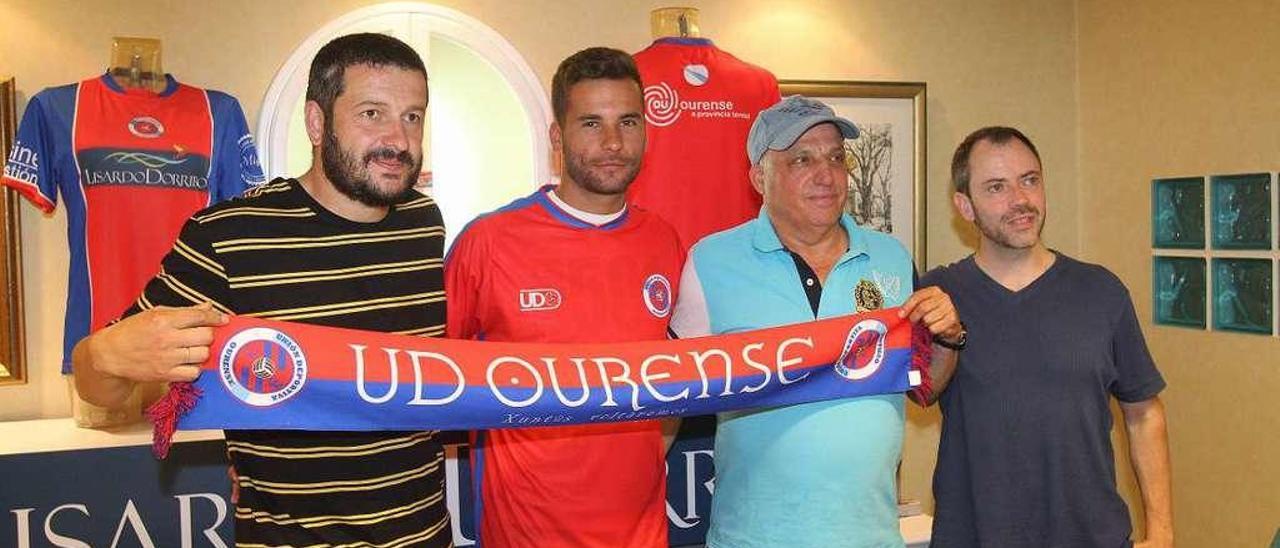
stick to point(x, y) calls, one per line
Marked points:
point(1215, 260)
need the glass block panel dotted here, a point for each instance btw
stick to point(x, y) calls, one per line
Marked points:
point(1179, 291)
point(1241, 213)
point(1177, 213)
point(1242, 297)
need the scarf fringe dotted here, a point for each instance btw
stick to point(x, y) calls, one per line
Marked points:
point(165, 412)
point(921, 355)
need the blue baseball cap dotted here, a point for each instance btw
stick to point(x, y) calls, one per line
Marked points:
point(778, 127)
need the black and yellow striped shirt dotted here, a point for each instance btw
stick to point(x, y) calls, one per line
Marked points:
point(278, 254)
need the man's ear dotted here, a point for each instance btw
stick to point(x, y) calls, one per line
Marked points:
point(557, 139)
point(313, 117)
point(964, 204)
point(756, 174)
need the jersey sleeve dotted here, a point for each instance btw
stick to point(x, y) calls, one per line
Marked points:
point(1137, 378)
point(235, 155)
point(463, 280)
point(776, 90)
point(691, 317)
point(190, 274)
point(29, 168)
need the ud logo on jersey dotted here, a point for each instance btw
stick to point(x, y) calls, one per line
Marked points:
point(657, 295)
point(146, 127)
point(262, 366)
point(539, 299)
point(863, 351)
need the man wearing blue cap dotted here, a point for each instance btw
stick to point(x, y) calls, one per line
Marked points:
point(815, 474)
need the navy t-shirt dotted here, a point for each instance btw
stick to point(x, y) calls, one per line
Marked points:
point(1025, 458)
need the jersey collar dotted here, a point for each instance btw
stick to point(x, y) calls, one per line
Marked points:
point(170, 86)
point(684, 41)
point(564, 216)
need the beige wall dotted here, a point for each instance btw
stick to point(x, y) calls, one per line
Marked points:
point(1174, 88)
point(1164, 88)
point(985, 62)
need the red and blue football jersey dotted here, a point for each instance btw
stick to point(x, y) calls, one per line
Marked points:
point(531, 272)
point(130, 166)
point(699, 102)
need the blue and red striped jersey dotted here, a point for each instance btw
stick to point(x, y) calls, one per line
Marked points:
point(130, 167)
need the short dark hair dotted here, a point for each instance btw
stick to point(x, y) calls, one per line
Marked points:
point(996, 135)
point(328, 69)
point(590, 64)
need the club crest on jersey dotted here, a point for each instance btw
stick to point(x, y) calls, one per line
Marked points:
point(539, 299)
point(262, 366)
point(146, 127)
point(863, 351)
point(657, 295)
point(867, 296)
point(696, 75)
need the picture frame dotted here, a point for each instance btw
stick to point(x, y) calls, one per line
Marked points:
point(888, 162)
point(12, 342)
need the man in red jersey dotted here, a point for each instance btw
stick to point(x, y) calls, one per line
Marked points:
point(572, 263)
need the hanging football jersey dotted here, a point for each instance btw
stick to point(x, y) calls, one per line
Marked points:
point(130, 166)
point(699, 104)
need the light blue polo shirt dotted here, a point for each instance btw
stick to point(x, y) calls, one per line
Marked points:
point(816, 474)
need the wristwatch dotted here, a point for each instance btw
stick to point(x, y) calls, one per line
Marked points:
point(958, 344)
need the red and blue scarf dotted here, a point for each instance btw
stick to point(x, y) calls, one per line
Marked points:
point(264, 375)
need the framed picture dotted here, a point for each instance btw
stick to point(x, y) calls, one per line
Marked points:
point(887, 162)
point(12, 347)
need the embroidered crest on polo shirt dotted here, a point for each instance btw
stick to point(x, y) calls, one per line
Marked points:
point(890, 286)
point(867, 296)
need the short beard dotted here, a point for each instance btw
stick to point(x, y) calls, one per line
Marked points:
point(585, 179)
point(352, 178)
point(1000, 238)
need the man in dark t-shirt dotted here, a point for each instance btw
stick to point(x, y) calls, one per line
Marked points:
point(1025, 458)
